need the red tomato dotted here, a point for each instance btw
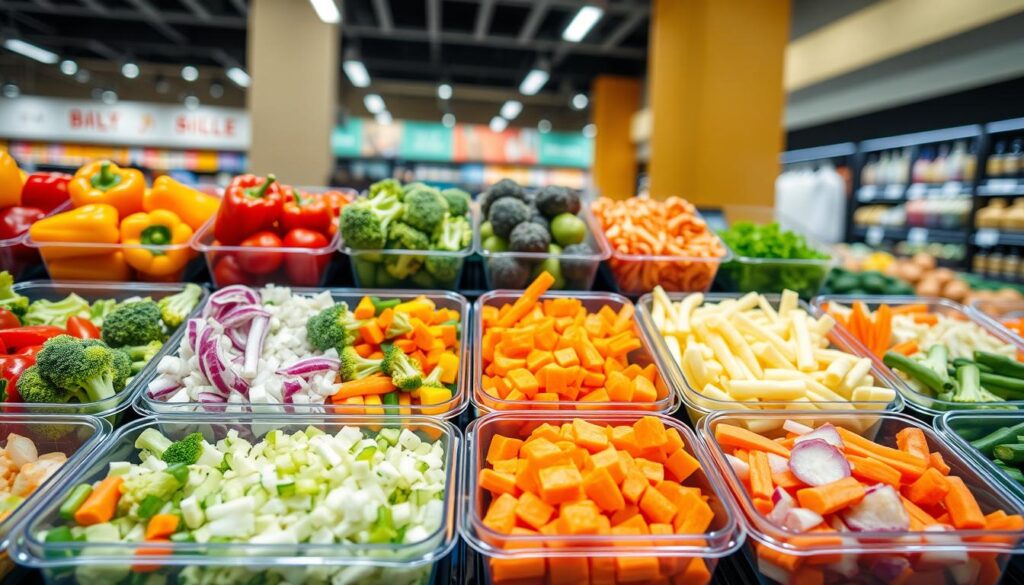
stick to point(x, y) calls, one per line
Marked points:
point(82, 328)
point(8, 320)
point(226, 271)
point(305, 269)
point(261, 262)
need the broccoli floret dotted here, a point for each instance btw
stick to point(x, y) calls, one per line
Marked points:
point(553, 200)
point(507, 213)
point(140, 355)
point(34, 388)
point(424, 209)
point(443, 268)
point(90, 372)
point(364, 223)
point(402, 266)
point(508, 272)
point(403, 236)
point(529, 237)
point(498, 191)
point(400, 325)
point(185, 451)
point(405, 372)
point(387, 187)
point(458, 201)
point(969, 388)
point(136, 487)
point(153, 441)
point(453, 234)
point(9, 299)
point(433, 379)
point(133, 323)
point(100, 309)
point(356, 367)
point(410, 187)
point(44, 312)
point(175, 308)
point(124, 368)
point(334, 327)
point(576, 271)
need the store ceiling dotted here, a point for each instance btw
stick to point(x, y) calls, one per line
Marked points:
point(480, 42)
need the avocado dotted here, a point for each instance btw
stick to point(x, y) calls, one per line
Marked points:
point(873, 282)
point(844, 283)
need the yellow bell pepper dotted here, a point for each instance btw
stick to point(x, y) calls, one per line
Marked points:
point(156, 242)
point(96, 267)
point(105, 182)
point(91, 224)
point(193, 206)
point(11, 180)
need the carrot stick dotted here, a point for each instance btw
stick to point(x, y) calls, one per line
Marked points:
point(929, 489)
point(732, 436)
point(831, 497)
point(883, 328)
point(907, 348)
point(525, 303)
point(917, 514)
point(912, 440)
point(873, 470)
point(760, 475)
point(908, 465)
point(101, 504)
point(376, 384)
point(161, 526)
point(962, 507)
point(926, 318)
point(910, 308)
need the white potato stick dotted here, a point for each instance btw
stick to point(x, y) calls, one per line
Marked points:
point(788, 302)
point(767, 309)
point(779, 374)
point(673, 348)
point(823, 391)
point(658, 318)
point(766, 389)
point(722, 353)
point(695, 364)
point(739, 346)
point(837, 370)
point(744, 303)
point(771, 356)
point(873, 394)
point(761, 333)
point(804, 351)
point(830, 355)
point(823, 326)
point(856, 374)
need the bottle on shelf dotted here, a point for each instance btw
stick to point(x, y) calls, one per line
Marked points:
point(1011, 266)
point(979, 262)
point(1013, 218)
point(1013, 163)
point(970, 164)
point(990, 216)
point(994, 166)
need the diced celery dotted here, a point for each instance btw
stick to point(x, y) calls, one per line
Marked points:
point(285, 464)
point(307, 487)
point(286, 489)
point(312, 431)
point(390, 435)
point(366, 454)
point(182, 537)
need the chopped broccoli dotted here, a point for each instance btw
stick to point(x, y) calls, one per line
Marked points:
point(153, 441)
point(87, 372)
point(402, 266)
point(400, 325)
point(458, 202)
point(529, 237)
point(9, 299)
point(409, 187)
point(133, 323)
point(405, 372)
point(44, 312)
point(505, 188)
point(553, 200)
point(969, 387)
point(507, 213)
point(364, 223)
point(403, 236)
point(34, 388)
point(100, 309)
point(186, 450)
point(424, 209)
point(355, 366)
point(387, 187)
point(140, 355)
point(175, 308)
point(453, 234)
point(507, 272)
point(433, 379)
point(333, 327)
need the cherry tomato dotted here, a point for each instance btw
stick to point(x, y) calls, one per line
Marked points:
point(8, 320)
point(305, 269)
point(226, 271)
point(256, 262)
point(82, 328)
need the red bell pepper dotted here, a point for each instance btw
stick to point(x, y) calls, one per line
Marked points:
point(250, 204)
point(45, 190)
point(11, 367)
point(305, 269)
point(306, 210)
point(16, 220)
point(28, 335)
point(261, 262)
point(30, 350)
point(226, 271)
point(82, 328)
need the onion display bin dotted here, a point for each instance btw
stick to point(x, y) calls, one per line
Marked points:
point(698, 406)
point(962, 427)
point(918, 401)
point(571, 271)
point(965, 557)
point(237, 563)
point(74, 435)
point(147, 405)
point(592, 301)
point(112, 406)
point(539, 559)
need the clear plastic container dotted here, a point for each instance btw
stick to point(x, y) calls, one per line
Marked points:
point(962, 427)
point(698, 406)
point(592, 301)
point(74, 435)
point(96, 261)
point(958, 556)
point(581, 268)
point(998, 311)
point(549, 557)
point(919, 401)
point(773, 275)
point(368, 266)
point(16, 257)
point(232, 562)
point(93, 291)
point(147, 405)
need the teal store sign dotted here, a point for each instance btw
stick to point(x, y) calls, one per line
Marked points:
point(426, 141)
point(347, 140)
point(560, 149)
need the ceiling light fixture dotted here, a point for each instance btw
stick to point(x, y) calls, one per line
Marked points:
point(580, 101)
point(544, 126)
point(327, 11)
point(444, 91)
point(31, 51)
point(448, 120)
point(68, 67)
point(581, 24)
point(374, 103)
point(189, 73)
point(191, 102)
point(534, 81)
point(511, 109)
point(355, 70)
point(216, 89)
point(589, 131)
point(498, 124)
point(83, 76)
point(130, 70)
point(11, 90)
point(383, 118)
point(109, 97)
point(239, 76)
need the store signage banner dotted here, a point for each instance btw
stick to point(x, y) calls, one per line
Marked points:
point(347, 140)
point(561, 149)
point(124, 123)
point(426, 141)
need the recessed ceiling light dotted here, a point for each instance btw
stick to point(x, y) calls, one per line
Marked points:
point(534, 81)
point(448, 120)
point(31, 51)
point(590, 131)
point(498, 124)
point(216, 90)
point(191, 102)
point(444, 91)
point(83, 76)
point(239, 76)
point(356, 72)
point(130, 70)
point(383, 118)
point(580, 101)
point(189, 73)
point(544, 126)
point(68, 67)
point(11, 90)
point(109, 97)
point(327, 11)
point(511, 109)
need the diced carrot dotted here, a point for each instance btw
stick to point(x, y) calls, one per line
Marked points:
point(656, 507)
point(652, 470)
point(503, 447)
point(371, 332)
point(624, 438)
point(602, 489)
point(637, 569)
point(624, 514)
point(449, 364)
point(566, 357)
point(929, 489)
point(539, 358)
point(568, 570)
point(650, 433)
point(675, 441)
point(155, 551)
point(619, 387)
point(161, 526)
point(634, 486)
point(497, 482)
point(524, 381)
point(681, 465)
point(590, 436)
point(560, 483)
point(579, 518)
point(695, 573)
point(518, 343)
point(501, 515)
point(644, 390)
point(831, 497)
point(764, 506)
point(365, 309)
point(519, 570)
point(533, 511)
point(101, 504)
point(733, 436)
point(697, 515)
point(609, 460)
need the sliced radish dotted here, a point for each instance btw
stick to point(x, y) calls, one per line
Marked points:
point(825, 432)
point(837, 524)
point(777, 463)
point(739, 466)
point(796, 428)
point(801, 520)
point(782, 503)
point(949, 554)
point(967, 573)
point(881, 510)
point(887, 569)
point(815, 462)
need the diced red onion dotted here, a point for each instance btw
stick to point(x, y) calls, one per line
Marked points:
point(237, 338)
point(310, 366)
point(235, 292)
point(192, 329)
point(826, 432)
point(254, 346)
point(290, 388)
point(782, 503)
point(216, 370)
point(740, 466)
point(801, 520)
point(796, 428)
point(242, 314)
point(163, 386)
point(211, 398)
point(881, 510)
point(887, 569)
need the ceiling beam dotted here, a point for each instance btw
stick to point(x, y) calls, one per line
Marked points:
point(383, 12)
point(47, 4)
point(182, 18)
point(196, 7)
point(483, 19)
point(240, 6)
point(103, 50)
point(623, 30)
point(434, 29)
point(95, 6)
point(609, 8)
point(533, 20)
point(35, 23)
point(157, 21)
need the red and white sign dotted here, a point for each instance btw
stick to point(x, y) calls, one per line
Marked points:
point(124, 123)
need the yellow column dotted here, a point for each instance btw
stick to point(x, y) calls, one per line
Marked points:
point(293, 62)
point(715, 71)
point(613, 101)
